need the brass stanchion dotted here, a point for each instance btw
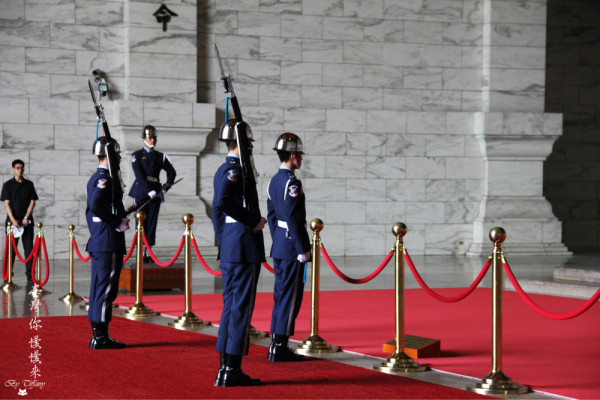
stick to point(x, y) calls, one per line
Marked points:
point(314, 344)
point(9, 286)
point(71, 297)
point(139, 310)
point(39, 291)
point(188, 319)
point(496, 382)
point(399, 361)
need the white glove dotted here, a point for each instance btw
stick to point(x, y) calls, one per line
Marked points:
point(152, 194)
point(124, 225)
point(304, 257)
point(261, 224)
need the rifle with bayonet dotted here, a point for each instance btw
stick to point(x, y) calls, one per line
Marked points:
point(246, 160)
point(140, 204)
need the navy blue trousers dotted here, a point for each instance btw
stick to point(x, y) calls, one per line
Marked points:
point(287, 295)
point(151, 209)
point(239, 293)
point(104, 286)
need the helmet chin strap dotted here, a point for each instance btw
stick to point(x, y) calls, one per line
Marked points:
point(151, 146)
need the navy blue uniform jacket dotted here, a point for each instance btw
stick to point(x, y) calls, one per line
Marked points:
point(102, 218)
point(286, 206)
point(149, 164)
point(238, 242)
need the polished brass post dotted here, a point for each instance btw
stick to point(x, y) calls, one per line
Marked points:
point(399, 361)
point(9, 286)
point(139, 310)
point(496, 382)
point(315, 344)
point(188, 319)
point(71, 297)
point(39, 291)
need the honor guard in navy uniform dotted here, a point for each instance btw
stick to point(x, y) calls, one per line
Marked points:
point(286, 213)
point(147, 164)
point(241, 250)
point(105, 219)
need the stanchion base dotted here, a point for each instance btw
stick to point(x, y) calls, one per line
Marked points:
point(255, 333)
point(10, 287)
point(400, 362)
point(71, 298)
point(314, 344)
point(498, 383)
point(139, 310)
point(188, 320)
point(39, 291)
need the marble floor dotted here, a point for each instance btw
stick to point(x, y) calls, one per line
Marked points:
point(437, 271)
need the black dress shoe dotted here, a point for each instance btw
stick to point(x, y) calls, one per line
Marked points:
point(280, 352)
point(100, 338)
point(232, 375)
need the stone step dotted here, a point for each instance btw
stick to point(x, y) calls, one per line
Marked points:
point(583, 276)
point(578, 291)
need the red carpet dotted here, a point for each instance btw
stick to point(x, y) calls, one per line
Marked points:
point(558, 357)
point(163, 362)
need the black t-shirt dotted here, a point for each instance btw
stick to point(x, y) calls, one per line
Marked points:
point(20, 195)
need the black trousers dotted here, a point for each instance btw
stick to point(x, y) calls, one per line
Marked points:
point(28, 235)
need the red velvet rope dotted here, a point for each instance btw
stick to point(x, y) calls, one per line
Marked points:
point(17, 251)
point(133, 243)
point(588, 304)
point(352, 280)
point(78, 253)
point(204, 264)
point(268, 267)
point(151, 254)
point(4, 262)
point(43, 240)
point(438, 296)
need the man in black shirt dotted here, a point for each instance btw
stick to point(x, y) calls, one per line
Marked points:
point(19, 197)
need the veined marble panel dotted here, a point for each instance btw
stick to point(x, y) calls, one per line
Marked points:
point(151, 65)
point(386, 167)
point(371, 144)
point(553, 123)
point(24, 84)
point(471, 101)
point(235, 47)
point(53, 111)
point(243, 5)
point(73, 137)
point(325, 190)
point(401, 54)
point(6, 158)
point(156, 41)
point(14, 110)
point(380, 212)
point(402, 100)
point(463, 34)
point(24, 33)
point(425, 167)
point(406, 145)
point(69, 87)
point(448, 238)
point(322, 50)
point(141, 14)
point(42, 161)
point(278, 6)
point(443, 10)
point(551, 232)
point(426, 122)
point(442, 56)
point(386, 121)
point(88, 164)
point(363, 52)
point(445, 145)
point(168, 114)
point(284, 49)
point(519, 178)
point(75, 37)
point(258, 71)
point(14, 9)
point(50, 11)
point(346, 121)
point(366, 240)
point(519, 232)
point(346, 167)
point(517, 79)
point(459, 122)
point(519, 12)
point(343, 74)
point(321, 97)
point(305, 119)
point(203, 115)
point(174, 90)
point(333, 237)
point(472, 56)
point(531, 99)
point(300, 73)
point(301, 26)
point(426, 212)
point(473, 11)
point(472, 146)
point(127, 112)
point(209, 163)
point(518, 35)
point(112, 38)
point(423, 32)
point(462, 79)
point(312, 166)
point(442, 100)
point(329, 144)
point(404, 9)
point(461, 212)
point(70, 187)
point(422, 78)
point(488, 123)
point(365, 189)
point(406, 190)
point(91, 12)
point(263, 118)
point(345, 212)
point(217, 21)
point(518, 57)
point(362, 98)
point(342, 28)
point(259, 24)
point(444, 190)
point(12, 59)
point(523, 123)
point(323, 7)
point(363, 8)
point(415, 237)
point(383, 76)
point(465, 168)
point(246, 92)
point(28, 136)
point(111, 63)
point(383, 30)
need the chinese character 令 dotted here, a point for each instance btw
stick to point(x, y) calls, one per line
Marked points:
point(34, 342)
point(35, 372)
point(35, 324)
point(35, 357)
point(163, 15)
